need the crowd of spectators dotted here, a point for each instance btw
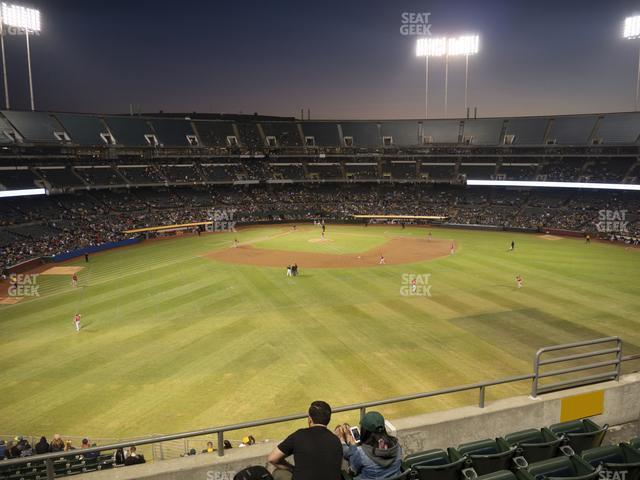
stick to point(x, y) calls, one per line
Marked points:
point(68, 222)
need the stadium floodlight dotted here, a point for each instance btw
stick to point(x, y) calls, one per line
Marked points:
point(429, 47)
point(632, 32)
point(526, 183)
point(464, 45)
point(27, 19)
point(22, 193)
point(632, 27)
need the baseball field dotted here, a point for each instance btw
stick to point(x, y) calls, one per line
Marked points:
point(192, 332)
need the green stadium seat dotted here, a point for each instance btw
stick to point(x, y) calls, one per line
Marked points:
point(580, 434)
point(535, 445)
point(564, 467)
point(635, 443)
point(615, 458)
point(435, 465)
point(488, 455)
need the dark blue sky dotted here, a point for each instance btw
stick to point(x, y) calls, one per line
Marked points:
point(341, 59)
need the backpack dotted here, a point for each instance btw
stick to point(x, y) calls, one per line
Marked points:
point(253, 473)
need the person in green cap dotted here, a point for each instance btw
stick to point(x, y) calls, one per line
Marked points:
point(378, 455)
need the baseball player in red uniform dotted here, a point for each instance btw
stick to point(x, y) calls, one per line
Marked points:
point(74, 280)
point(76, 321)
point(519, 281)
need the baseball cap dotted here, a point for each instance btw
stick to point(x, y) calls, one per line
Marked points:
point(372, 422)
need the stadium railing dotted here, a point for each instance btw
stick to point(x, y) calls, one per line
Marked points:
point(481, 387)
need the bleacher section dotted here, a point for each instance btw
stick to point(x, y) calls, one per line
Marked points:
point(572, 130)
point(215, 134)
point(526, 131)
point(360, 134)
point(324, 134)
point(401, 133)
point(129, 131)
point(172, 133)
point(483, 132)
point(36, 127)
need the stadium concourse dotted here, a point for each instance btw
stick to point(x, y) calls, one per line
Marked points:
point(106, 174)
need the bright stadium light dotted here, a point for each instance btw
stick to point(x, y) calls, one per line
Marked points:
point(632, 32)
point(525, 183)
point(21, 17)
point(632, 27)
point(22, 193)
point(27, 19)
point(429, 47)
point(464, 45)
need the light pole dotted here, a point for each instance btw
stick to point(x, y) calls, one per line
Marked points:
point(4, 68)
point(466, 45)
point(429, 47)
point(27, 19)
point(632, 32)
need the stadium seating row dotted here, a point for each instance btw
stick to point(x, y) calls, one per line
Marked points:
point(569, 450)
point(66, 175)
point(37, 469)
point(138, 131)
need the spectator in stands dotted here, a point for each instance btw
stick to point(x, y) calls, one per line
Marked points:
point(91, 455)
point(3, 450)
point(42, 446)
point(246, 441)
point(57, 445)
point(316, 451)
point(209, 448)
point(85, 443)
point(378, 455)
point(7, 449)
point(22, 448)
point(134, 457)
point(68, 447)
point(227, 444)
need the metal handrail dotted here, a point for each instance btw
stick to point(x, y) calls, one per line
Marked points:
point(49, 458)
point(538, 362)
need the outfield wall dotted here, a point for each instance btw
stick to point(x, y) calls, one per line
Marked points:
point(620, 404)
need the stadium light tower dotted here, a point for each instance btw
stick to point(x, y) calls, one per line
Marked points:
point(465, 45)
point(454, 46)
point(429, 47)
point(27, 19)
point(632, 32)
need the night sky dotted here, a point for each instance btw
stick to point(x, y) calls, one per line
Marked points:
point(341, 59)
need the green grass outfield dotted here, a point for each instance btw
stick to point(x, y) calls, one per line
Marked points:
point(172, 341)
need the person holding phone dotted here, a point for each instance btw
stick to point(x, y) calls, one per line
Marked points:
point(371, 452)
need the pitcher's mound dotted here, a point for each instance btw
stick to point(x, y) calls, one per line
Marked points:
point(396, 251)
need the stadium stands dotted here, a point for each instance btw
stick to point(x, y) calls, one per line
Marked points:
point(84, 154)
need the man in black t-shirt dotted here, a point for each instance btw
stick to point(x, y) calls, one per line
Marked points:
point(316, 451)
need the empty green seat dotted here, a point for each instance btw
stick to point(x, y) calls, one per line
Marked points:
point(635, 443)
point(535, 445)
point(573, 467)
point(580, 434)
point(435, 465)
point(488, 455)
point(615, 458)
